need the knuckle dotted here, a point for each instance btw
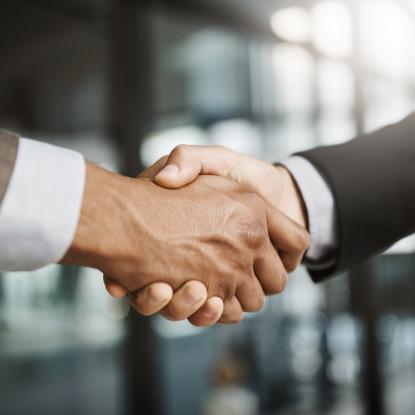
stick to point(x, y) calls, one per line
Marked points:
point(252, 232)
point(244, 223)
point(257, 233)
point(181, 150)
point(303, 240)
point(280, 283)
point(256, 304)
point(260, 302)
point(291, 264)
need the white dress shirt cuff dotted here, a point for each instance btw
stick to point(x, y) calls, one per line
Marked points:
point(41, 208)
point(321, 211)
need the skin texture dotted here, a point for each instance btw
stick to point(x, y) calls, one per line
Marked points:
point(273, 183)
point(184, 165)
point(214, 232)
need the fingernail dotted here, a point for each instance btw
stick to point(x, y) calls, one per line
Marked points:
point(190, 298)
point(170, 170)
point(155, 299)
point(157, 296)
point(208, 313)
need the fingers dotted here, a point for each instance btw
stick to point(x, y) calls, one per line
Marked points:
point(209, 314)
point(151, 299)
point(186, 301)
point(251, 295)
point(155, 168)
point(270, 271)
point(114, 289)
point(232, 313)
point(185, 163)
point(289, 238)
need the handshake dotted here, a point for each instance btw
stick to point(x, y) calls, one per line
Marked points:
point(204, 234)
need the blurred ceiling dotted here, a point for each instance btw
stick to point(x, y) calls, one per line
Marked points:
point(253, 12)
point(29, 25)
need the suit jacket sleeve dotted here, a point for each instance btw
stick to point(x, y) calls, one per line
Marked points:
point(373, 183)
point(8, 151)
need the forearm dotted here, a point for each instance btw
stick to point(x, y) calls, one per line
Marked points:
point(372, 182)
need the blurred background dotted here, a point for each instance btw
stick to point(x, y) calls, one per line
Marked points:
point(124, 82)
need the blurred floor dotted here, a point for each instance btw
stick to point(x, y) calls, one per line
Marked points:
point(399, 400)
point(64, 384)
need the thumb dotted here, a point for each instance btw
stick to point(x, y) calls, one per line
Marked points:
point(186, 163)
point(182, 167)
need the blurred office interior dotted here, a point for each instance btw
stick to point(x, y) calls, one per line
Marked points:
point(124, 82)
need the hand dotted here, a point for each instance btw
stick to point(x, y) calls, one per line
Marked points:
point(274, 183)
point(185, 163)
point(213, 231)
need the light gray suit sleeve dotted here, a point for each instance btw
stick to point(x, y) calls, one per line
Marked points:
point(9, 144)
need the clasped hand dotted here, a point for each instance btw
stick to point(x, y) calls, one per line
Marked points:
point(208, 250)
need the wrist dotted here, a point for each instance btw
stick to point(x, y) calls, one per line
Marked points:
point(278, 187)
point(291, 200)
point(102, 203)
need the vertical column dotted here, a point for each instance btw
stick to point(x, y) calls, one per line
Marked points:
point(365, 302)
point(364, 288)
point(131, 63)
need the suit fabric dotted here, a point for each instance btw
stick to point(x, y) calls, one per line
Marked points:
point(372, 179)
